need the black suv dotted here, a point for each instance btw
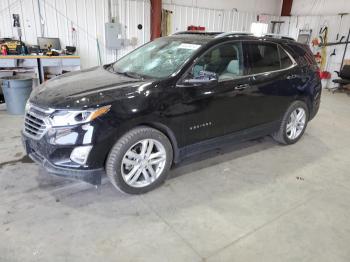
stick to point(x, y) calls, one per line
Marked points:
point(168, 99)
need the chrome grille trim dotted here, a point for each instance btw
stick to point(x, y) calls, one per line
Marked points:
point(36, 122)
point(33, 120)
point(29, 125)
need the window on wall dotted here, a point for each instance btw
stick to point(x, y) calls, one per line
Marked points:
point(258, 29)
point(263, 57)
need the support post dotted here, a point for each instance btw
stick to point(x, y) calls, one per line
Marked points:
point(156, 18)
point(286, 7)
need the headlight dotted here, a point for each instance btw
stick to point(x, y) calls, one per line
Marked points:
point(27, 106)
point(74, 117)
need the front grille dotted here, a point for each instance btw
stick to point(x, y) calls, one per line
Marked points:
point(35, 122)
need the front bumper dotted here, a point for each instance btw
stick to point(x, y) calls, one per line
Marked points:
point(55, 159)
point(92, 176)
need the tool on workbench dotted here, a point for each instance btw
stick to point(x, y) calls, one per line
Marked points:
point(34, 49)
point(70, 50)
point(14, 47)
point(50, 51)
point(3, 50)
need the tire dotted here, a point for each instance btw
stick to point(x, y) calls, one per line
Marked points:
point(283, 136)
point(137, 150)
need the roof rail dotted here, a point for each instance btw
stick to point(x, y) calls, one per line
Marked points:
point(190, 32)
point(279, 36)
point(233, 33)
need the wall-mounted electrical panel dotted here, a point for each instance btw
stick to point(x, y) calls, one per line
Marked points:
point(113, 33)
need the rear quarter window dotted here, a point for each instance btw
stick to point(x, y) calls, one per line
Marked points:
point(263, 57)
point(285, 59)
point(303, 55)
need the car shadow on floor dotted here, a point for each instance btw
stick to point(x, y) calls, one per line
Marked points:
point(305, 152)
point(221, 154)
point(203, 160)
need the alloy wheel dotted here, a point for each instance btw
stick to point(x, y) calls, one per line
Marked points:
point(296, 123)
point(143, 163)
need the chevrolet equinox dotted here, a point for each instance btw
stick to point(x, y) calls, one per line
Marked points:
point(169, 99)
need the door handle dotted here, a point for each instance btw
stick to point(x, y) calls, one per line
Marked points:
point(291, 77)
point(241, 87)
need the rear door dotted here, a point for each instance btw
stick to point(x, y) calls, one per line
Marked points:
point(272, 77)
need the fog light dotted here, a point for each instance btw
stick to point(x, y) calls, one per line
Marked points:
point(80, 154)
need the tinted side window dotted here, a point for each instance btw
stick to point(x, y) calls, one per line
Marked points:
point(303, 55)
point(225, 60)
point(285, 59)
point(263, 57)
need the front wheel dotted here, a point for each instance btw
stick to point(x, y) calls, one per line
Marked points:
point(139, 161)
point(293, 124)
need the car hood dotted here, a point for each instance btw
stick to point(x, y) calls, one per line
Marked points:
point(86, 88)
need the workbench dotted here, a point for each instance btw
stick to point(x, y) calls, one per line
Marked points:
point(39, 62)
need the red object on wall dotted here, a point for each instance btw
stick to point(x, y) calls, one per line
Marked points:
point(195, 28)
point(325, 75)
point(318, 57)
point(156, 18)
point(286, 7)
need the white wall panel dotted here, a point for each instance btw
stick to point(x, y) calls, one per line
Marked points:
point(29, 22)
point(320, 7)
point(212, 19)
point(86, 16)
point(250, 6)
point(5, 12)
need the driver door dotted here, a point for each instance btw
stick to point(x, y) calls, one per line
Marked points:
point(218, 105)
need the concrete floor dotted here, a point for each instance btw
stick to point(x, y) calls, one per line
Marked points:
point(258, 201)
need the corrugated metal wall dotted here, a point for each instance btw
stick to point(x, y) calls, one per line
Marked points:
point(212, 19)
point(88, 17)
point(58, 17)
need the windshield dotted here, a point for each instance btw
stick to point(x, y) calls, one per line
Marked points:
point(157, 59)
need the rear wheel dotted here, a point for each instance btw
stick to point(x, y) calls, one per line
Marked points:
point(293, 124)
point(139, 161)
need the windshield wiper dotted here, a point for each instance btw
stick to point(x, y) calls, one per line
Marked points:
point(130, 74)
point(110, 68)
